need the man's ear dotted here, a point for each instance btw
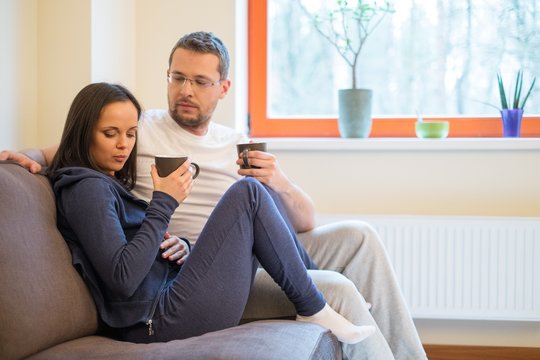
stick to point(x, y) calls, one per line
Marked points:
point(225, 86)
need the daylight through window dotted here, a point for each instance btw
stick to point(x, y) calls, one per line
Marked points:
point(437, 57)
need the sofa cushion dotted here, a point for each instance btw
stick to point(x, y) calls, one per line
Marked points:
point(43, 300)
point(261, 340)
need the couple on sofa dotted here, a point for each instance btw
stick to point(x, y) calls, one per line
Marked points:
point(234, 218)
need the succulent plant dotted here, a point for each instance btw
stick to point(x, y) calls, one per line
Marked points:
point(516, 104)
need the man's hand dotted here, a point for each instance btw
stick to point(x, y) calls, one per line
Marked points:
point(23, 160)
point(175, 249)
point(268, 171)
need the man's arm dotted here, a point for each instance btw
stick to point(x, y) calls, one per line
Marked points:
point(298, 204)
point(48, 153)
point(299, 207)
point(31, 159)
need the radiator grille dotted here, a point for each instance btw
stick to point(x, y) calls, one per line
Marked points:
point(465, 267)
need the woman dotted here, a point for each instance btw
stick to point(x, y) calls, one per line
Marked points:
point(144, 284)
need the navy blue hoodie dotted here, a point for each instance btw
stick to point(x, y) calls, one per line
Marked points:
point(114, 239)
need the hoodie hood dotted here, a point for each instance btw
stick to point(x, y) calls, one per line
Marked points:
point(68, 176)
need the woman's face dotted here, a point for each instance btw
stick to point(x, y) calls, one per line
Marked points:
point(114, 136)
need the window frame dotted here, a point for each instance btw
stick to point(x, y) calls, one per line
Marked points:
point(261, 125)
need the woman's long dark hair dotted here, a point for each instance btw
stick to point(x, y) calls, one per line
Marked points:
point(84, 113)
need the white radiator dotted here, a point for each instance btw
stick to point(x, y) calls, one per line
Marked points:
point(464, 267)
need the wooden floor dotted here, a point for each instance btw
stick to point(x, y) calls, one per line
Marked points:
point(460, 352)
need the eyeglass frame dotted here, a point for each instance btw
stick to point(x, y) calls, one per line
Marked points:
point(195, 83)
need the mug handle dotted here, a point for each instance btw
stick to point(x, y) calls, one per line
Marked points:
point(196, 170)
point(245, 158)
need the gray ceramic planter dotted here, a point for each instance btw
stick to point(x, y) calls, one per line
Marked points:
point(354, 113)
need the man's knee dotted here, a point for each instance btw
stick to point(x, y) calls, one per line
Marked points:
point(351, 234)
point(359, 230)
point(335, 285)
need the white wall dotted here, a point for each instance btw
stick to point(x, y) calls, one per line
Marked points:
point(18, 73)
point(63, 62)
point(488, 177)
point(113, 42)
point(50, 49)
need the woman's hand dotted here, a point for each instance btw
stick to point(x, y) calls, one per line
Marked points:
point(177, 184)
point(175, 249)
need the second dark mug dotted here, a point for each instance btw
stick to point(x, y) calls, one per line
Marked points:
point(244, 148)
point(166, 164)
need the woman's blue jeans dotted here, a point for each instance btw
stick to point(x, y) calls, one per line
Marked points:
point(248, 226)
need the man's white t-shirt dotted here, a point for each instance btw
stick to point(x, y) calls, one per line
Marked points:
point(215, 153)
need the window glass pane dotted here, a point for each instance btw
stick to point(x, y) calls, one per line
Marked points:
point(439, 57)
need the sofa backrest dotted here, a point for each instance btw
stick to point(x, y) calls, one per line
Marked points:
point(43, 300)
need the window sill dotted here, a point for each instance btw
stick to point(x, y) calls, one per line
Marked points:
point(409, 144)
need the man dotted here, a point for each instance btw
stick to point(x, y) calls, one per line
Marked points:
point(197, 79)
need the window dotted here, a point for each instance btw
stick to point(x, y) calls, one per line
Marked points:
point(436, 57)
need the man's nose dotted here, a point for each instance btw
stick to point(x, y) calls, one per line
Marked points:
point(187, 87)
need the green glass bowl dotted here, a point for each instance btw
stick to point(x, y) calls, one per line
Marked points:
point(432, 129)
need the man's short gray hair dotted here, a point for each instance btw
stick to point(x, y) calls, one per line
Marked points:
point(207, 43)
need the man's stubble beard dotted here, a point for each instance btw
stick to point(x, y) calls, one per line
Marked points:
point(189, 123)
point(201, 121)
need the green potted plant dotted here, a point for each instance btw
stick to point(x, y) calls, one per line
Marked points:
point(512, 112)
point(346, 26)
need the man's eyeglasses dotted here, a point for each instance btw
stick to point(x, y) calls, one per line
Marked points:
point(198, 83)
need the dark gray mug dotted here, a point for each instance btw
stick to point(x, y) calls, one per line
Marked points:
point(243, 150)
point(166, 164)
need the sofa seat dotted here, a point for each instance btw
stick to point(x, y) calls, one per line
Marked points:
point(257, 340)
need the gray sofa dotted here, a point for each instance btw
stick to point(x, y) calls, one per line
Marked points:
point(46, 311)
